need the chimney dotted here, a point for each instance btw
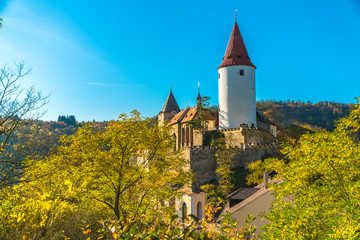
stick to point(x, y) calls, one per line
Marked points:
point(266, 176)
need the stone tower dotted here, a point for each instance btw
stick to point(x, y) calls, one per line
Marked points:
point(170, 109)
point(237, 103)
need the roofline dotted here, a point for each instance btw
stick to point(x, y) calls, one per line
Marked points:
point(243, 203)
point(249, 199)
point(181, 116)
point(229, 65)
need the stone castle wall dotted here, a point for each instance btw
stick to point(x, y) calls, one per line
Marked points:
point(203, 161)
point(245, 135)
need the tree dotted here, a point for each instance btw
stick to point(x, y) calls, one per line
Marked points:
point(320, 190)
point(203, 110)
point(69, 120)
point(16, 106)
point(224, 155)
point(216, 191)
point(124, 173)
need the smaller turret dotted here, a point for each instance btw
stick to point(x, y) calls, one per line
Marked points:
point(170, 109)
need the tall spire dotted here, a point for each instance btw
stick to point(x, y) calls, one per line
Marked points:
point(170, 104)
point(236, 53)
point(198, 98)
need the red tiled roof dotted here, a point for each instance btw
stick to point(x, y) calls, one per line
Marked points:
point(190, 115)
point(236, 53)
point(179, 116)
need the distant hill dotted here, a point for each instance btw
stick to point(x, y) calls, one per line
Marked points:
point(295, 118)
point(292, 119)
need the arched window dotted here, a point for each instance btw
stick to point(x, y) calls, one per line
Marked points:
point(183, 211)
point(199, 211)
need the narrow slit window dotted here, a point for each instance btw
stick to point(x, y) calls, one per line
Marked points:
point(242, 72)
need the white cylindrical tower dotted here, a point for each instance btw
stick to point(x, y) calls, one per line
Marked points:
point(237, 100)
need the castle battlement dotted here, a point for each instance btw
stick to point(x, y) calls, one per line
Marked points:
point(201, 148)
point(241, 128)
point(240, 147)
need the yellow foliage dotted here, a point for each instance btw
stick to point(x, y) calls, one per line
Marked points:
point(121, 173)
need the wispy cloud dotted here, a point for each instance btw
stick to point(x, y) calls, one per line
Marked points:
point(115, 85)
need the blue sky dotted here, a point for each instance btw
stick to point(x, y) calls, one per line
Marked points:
point(98, 59)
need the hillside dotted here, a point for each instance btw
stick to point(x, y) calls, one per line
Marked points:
point(295, 118)
point(292, 119)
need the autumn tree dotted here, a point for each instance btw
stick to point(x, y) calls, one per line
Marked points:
point(318, 197)
point(224, 156)
point(216, 191)
point(125, 173)
point(17, 105)
point(203, 110)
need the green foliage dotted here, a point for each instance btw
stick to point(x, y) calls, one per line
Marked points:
point(239, 178)
point(212, 138)
point(230, 179)
point(224, 156)
point(203, 110)
point(318, 197)
point(213, 195)
point(258, 167)
point(69, 120)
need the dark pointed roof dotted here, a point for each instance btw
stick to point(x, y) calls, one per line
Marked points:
point(170, 104)
point(236, 53)
point(198, 98)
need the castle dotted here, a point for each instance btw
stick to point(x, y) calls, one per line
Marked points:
point(245, 129)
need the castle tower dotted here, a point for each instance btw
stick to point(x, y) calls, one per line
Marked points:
point(237, 103)
point(169, 110)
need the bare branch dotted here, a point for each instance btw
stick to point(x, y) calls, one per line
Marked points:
point(16, 105)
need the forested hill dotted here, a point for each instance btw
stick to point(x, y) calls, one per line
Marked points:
point(321, 115)
point(292, 119)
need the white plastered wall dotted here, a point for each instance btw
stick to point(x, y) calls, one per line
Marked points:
point(237, 101)
point(191, 201)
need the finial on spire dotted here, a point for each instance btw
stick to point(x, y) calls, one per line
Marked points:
point(235, 14)
point(171, 87)
point(198, 98)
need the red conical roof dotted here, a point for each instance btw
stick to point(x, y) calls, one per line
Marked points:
point(236, 53)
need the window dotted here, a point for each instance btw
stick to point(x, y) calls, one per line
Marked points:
point(199, 211)
point(239, 56)
point(219, 75)
point(183, 211)
point(242, 72)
